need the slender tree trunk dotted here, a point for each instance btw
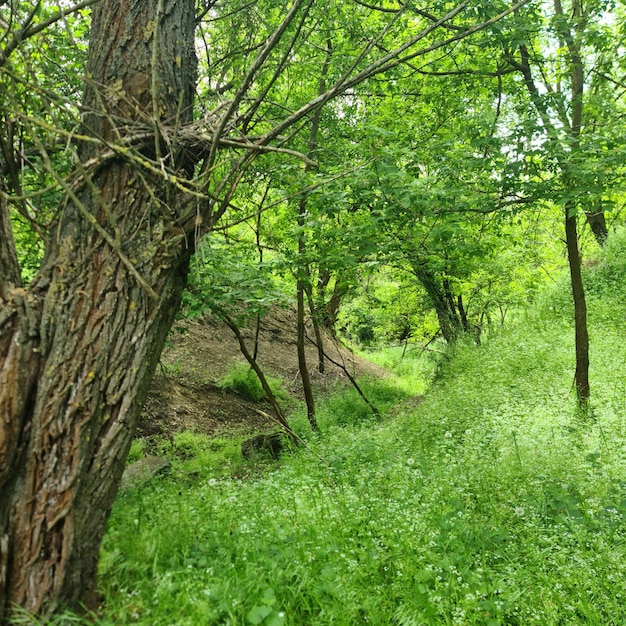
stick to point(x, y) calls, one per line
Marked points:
point(79, 347)
point(306, 286)
point(331, 310)
point(581, 376)
point(271, 398)
point(571, 39)
point(301, 331)
point(462, 313)
point(259, 247)
point(319, 342)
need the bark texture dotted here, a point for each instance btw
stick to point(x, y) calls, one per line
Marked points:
point(597, 222)
point(440, 295)
point(581, 376)
point(79, 346)
point(9, 267)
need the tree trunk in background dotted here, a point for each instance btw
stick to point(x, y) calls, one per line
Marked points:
point(9, 267)
point(319, 341)
point(331, 310)
point(79, 347)
point(301, 331)
point(307, 286)
point(597, 222)
point(442, 301)
point(581, 376)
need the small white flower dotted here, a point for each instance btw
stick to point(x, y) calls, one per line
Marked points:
point(410, 461)
point(448, 434)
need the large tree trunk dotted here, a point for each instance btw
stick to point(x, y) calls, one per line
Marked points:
point(79, 347)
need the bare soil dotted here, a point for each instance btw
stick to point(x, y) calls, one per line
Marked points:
point(185, 394)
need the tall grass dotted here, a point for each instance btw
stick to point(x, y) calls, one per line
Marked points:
point(492, 501)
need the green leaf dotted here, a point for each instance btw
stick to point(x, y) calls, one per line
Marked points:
point(258, 613)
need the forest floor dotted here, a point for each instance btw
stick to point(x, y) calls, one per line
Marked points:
point(490, 500)
point(187, 393)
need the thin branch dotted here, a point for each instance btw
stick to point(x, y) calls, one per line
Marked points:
point(389, 61)
point(375, 8)
point(280, 418)
point(350, 377)
point(256, 66)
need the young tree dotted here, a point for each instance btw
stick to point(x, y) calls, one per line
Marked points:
point(568, 63)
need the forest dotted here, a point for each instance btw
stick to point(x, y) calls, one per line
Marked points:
point(349, 276)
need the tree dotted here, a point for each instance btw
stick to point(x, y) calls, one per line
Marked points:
point(79, 346)
point(566, 68)
point(139, 180)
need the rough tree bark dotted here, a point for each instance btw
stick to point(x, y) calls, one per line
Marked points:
point(597, 222)
point(443, 303)
point(79, 346)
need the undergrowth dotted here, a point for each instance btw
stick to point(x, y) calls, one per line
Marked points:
point(243, 380)
point(491, 501)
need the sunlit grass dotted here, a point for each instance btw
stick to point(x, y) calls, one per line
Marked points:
point(491, 501)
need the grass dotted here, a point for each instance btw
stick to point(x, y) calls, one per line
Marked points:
point(490, 502)
point(243, 380)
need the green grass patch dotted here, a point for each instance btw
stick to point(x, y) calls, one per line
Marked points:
point(490, 502)
point(243, 381)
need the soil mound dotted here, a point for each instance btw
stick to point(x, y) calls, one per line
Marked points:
point(185, 392)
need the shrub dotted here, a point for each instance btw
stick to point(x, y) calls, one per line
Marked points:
point(243, 381)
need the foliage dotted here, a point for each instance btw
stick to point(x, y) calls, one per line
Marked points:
point(243, 380)
point(227, 279)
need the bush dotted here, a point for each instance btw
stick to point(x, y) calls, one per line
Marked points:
point(243, 381)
